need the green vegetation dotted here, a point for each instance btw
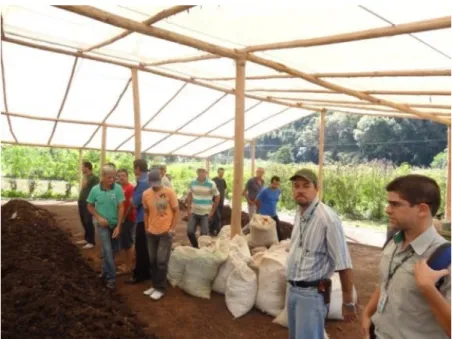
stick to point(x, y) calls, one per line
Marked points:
point(355, 191)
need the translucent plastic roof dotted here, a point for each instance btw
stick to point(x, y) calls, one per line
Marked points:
point(188, 108)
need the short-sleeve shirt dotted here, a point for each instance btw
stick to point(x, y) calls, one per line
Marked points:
point(161, 207)
point(107, 202)
point(128, 195)
point(253, 187)
point(89, 181)
point(406, 313)
point(221, 186)
point(202, 193)
point(268, 199)
point(166, 182)
point(140, 188)
point(318, 247)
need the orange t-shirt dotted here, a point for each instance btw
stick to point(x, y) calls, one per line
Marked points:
point(160, 206)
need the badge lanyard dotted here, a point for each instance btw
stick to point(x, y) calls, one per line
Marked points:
point(306, 220)
point(392, 272)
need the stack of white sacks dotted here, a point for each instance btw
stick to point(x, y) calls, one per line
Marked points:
point(246, 278)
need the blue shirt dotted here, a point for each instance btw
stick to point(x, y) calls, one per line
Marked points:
point(142, 185)
point(268, 199)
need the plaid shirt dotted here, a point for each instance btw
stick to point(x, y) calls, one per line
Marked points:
point(318, 247)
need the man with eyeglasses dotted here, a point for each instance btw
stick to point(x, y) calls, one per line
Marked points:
point(318, 249)
point(412, 300)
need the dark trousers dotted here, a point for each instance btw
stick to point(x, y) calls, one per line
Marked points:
point(215, 223)
point(87, 221)
point(278, 227)
point(142, 267)
point(159, 249)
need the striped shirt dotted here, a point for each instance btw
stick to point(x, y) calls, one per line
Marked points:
point(318, 247)
point(202, 194)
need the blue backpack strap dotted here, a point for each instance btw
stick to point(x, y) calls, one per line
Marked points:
point(440, 260)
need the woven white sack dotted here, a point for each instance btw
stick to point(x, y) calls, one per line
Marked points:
point(241, 289)
point(262, 231)
point(177, 263)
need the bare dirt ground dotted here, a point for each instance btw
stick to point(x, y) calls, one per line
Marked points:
point(179, 315)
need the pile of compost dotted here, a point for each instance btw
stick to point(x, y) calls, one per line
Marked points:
point(48, 290)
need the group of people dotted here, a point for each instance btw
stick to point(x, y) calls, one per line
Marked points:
point(412, 299)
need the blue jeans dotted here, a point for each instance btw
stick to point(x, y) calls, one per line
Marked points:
point(307, 313)
point(109, 247)
point(195, 220)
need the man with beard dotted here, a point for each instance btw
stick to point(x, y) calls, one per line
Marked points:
point(318, 249)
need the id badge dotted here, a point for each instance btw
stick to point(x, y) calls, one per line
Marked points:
point(382, 302)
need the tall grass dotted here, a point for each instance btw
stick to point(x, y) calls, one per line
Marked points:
point(355, 191)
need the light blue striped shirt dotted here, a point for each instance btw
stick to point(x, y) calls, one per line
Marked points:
point(202, 194)
point(318, 247)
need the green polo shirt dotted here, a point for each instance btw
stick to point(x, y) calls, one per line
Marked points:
point(107, 202)
point(407, 314)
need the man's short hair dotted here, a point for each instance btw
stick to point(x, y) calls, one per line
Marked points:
point(141, 164)
point(88, 165)
point(111, 165)
point(123, 170)
point(107, 169)
point(162, 167)
point(220, 169)
point(417, 189)
point(275, 178)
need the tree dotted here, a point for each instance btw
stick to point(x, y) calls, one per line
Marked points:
point(283, 155)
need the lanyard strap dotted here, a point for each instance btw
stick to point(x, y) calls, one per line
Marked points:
point(392, 272)
point(302, 218)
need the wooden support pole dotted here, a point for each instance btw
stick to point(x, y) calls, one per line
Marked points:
point(448, 184)
point(207, 166)
point(103, 150)
point(239, 147)
point(80, 164)
point(321, 152)
point(137, 113)
point(253, 156)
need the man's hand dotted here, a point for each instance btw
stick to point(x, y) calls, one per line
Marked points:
point(425, 276)
point(211, 213)
point(102, 222)
point(172, 232)
point(349, 313)
point(366, 322)
point(189, 213)
point(116, 232)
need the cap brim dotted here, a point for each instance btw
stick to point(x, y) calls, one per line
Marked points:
point(298, 176)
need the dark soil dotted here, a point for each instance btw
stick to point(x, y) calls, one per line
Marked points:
point(48, 289)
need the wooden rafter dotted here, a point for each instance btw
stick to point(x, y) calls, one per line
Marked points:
point(187, 79)
point(166, 104)
point(5, 97)
point(152, 20)
point(364, 103)
point(63, 102)
point(89, 123)
point(182, 60)
point(121, 95)
point(102, 16)
point(381, 92)
point(374, 74)
point(412, 27)
point(180, 128)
